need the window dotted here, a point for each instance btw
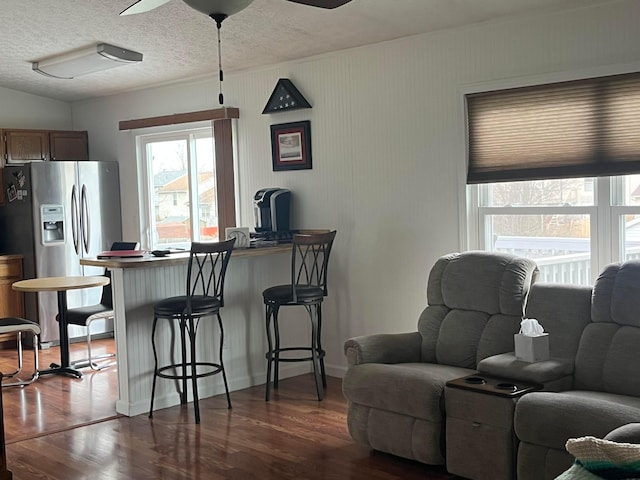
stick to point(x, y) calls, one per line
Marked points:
point(572, 228)
point(190, 142)
point(180, 205)
point(544, 174)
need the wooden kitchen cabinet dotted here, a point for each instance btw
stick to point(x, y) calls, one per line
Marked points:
point(25, 145)
point(11, 301)
point(69, 145)
point(21, 146)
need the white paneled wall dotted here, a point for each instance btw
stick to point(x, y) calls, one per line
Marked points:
point(388, 140)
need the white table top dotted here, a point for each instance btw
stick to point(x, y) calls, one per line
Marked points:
point(55, 284)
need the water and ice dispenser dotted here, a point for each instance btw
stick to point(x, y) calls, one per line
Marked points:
point(52, 224)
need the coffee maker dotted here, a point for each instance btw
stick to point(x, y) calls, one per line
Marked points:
point(272, 209)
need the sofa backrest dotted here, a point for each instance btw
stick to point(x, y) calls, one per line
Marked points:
point(563, 311)
point(475, 305)
point(609, 353)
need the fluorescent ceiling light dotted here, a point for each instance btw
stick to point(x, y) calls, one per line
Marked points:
point(88, 60)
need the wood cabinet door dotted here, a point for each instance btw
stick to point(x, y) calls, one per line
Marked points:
point(71, 145)
point(11, 301)
point(26, 145)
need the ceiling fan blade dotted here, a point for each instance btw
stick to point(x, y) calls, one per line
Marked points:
point(322, 3)
point(142, 6)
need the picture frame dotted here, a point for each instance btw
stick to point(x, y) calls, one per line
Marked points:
point(291, 146)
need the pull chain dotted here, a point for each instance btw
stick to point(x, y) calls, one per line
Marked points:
point(219, 17)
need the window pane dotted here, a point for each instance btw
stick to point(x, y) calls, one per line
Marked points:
point(170, 195)
point(206, 190)
point(631, 237)
point(560, 244)
point(569, 191)
point(631, 190)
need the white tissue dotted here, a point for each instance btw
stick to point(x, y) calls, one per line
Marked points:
point(530, 327)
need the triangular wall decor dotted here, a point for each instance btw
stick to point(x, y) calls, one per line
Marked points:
point(285, 97)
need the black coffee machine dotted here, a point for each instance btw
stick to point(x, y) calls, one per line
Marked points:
point(272, 209)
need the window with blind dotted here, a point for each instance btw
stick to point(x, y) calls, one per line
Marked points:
point(553, 174)
point(572, 129)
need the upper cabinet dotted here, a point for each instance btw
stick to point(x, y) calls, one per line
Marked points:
point(22, 146)
point(25, 145)
point(69, 145)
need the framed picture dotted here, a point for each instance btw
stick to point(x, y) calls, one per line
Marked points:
point(291, 146)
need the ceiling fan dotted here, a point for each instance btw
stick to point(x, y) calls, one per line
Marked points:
point(218, 10)
point(227, 7)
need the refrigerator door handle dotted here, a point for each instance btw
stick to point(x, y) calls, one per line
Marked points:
point(86, 227)
point(75, 220)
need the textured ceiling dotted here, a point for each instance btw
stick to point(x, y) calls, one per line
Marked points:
point(179, 43)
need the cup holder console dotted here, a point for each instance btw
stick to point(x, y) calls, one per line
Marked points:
point(495, 386)
point(507, 386)
point(475, 380)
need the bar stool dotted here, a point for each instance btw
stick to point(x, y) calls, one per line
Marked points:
point(308, 287)
point(19, 326)
point(204, 297)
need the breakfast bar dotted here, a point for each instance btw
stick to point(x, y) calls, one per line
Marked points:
point(137, 283)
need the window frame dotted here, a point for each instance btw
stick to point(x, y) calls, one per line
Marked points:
point(224, 131)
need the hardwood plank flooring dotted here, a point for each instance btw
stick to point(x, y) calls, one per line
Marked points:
point(67, 429)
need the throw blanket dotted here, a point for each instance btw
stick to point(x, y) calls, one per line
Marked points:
point(602, 459)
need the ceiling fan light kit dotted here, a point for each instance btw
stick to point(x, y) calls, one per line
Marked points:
point(87, 60)
point(219, 10)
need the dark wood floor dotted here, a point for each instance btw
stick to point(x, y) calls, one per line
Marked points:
point(67, 429)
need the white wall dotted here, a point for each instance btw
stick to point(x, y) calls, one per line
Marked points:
point(388, 144)
point(22, 110)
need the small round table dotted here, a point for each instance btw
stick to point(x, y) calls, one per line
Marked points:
point(60, 285)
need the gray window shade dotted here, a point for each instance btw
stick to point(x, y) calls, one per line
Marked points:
point(581, 128)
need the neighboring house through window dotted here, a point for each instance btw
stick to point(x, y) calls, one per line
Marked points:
point(181, 180)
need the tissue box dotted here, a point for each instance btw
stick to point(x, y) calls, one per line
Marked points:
point(532, 349)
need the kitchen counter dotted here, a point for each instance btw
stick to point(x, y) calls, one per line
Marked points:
point(149, 261)
point(138, 283)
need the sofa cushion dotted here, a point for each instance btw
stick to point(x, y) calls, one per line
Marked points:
point(608, 359)
point(616, 294)
point(413, 389)
point(476, 301)
point(629, 433)
point(506, 365)
point(563, 311)
point(549, 419)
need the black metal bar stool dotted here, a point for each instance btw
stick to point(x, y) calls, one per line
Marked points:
point(204, 297)
point(308, 287)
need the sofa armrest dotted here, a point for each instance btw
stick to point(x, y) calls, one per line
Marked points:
point(506, 365)
point(383, 348)
point(629, 433)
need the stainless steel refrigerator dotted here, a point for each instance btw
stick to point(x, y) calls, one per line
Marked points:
point(55, 214)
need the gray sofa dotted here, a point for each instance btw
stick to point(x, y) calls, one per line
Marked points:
point(605, 392)
point(590, 385)
point(395, 382)
point(480, 439)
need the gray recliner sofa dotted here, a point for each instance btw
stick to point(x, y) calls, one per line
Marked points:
point(395, 382)
point(605, 392)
